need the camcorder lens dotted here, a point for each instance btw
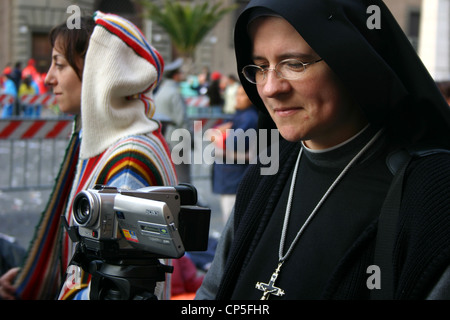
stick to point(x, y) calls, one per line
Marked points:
point(85, 208)
point(82, 209)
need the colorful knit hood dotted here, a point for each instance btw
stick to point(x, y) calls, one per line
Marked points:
point(121, 70)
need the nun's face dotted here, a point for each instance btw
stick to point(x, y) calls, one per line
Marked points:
point(314, 108)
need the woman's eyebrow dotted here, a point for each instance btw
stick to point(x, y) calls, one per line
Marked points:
point(300, 56)
point(58, 55)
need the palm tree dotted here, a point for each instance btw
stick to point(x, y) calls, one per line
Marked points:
point(186, 24)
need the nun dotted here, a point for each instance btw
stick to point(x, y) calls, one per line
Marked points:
point(359, 208)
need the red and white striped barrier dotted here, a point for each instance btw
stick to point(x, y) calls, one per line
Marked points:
point(46, 99)
point(35, 129)
point(197, 101)
point(6, 99)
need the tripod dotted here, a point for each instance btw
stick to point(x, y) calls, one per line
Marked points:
point(126, 280)
point(120, 275)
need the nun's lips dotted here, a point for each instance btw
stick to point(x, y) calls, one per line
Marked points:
point(286, 112)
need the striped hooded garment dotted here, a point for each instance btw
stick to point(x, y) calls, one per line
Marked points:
point(119, 145)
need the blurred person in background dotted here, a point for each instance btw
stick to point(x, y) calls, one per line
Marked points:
point(27, 88)
point(8, 88)
point(228, 175)
point(214, 92)
point(229, 94)
point(171, 104)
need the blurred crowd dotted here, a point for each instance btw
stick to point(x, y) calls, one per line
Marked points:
point(219, 88)
point(18, 81)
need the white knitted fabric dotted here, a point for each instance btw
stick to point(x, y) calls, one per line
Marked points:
point(114, 74)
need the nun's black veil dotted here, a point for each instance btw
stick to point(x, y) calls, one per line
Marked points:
point(379, 67)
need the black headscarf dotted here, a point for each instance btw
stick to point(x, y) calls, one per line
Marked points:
point(379, 67)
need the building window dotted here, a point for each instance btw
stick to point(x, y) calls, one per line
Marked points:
point(41, 51)
point(413, 26)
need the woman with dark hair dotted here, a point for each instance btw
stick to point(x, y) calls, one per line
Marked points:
point(104, 74)
point(357, 114)
point(73, 43)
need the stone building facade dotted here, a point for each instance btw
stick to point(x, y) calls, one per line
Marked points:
point(26, 23)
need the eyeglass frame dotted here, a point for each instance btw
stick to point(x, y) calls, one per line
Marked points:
point(266, 70)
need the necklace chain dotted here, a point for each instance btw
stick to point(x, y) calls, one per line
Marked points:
point(270, 288)
point(319, 204)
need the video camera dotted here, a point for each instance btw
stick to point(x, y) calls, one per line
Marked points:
point(134, 228)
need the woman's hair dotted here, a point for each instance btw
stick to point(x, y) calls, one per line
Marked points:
point(73, 43)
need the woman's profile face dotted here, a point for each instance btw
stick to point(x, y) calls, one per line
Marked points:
point(314, 108)
point(64, 81)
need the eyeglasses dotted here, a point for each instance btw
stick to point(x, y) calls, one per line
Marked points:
point(289, 69)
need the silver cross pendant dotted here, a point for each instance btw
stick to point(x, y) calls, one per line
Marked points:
point(269, 288)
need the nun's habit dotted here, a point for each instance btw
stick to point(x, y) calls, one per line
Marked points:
point(334, 255)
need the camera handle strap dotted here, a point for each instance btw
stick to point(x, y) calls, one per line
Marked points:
point(71, 231)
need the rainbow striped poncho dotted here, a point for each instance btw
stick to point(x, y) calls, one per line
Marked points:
point(132, 162)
